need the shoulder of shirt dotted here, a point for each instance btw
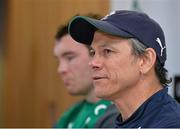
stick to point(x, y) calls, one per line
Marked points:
point(74, 106)
point(68, 113)
point(107, 120)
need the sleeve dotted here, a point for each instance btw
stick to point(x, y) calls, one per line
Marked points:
point(107, 120)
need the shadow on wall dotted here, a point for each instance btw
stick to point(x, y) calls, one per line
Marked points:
point(2, 35)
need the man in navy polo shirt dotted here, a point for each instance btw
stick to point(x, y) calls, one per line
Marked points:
point(128, 59)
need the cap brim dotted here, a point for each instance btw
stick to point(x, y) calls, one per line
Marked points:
point(82, 29)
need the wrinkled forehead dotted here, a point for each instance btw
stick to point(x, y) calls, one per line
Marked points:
point(106, 39)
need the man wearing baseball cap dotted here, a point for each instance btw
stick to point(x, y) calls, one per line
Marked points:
point(128, 59)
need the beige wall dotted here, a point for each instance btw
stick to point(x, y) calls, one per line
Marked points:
point(1, 88)
point(33, 94)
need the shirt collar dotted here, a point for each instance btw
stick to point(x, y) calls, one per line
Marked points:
point(145, 107)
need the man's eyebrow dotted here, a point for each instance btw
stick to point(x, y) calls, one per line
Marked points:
point(68, 53)
point(65, 54)
point(105, 45)
point(102, 46)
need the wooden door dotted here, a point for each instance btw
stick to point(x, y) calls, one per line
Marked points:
point(34, 95)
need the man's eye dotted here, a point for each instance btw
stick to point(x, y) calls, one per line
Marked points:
point(92, 52)
point(107, 51)
point(69, 58)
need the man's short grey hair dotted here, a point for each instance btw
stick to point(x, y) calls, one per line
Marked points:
point(138, 48)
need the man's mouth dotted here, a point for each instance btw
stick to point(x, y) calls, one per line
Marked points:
point(66, 82)
point(98, 78)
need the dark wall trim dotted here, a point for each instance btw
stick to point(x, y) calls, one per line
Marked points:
point(2, 24)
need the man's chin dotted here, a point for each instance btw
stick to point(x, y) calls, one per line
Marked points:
point(73, 93)
point(101, 95)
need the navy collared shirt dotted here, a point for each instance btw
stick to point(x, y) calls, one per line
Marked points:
point(159, 111)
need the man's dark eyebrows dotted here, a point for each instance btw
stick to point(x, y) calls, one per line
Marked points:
point(68, 53)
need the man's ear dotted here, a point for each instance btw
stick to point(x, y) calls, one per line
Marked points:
point(148, 60)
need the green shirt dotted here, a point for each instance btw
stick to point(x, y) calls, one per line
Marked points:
point(83, 114)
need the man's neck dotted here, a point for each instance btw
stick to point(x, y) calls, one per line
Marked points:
point(130, 102)
point(91, 97)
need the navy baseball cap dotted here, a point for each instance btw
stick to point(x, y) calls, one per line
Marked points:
point(123, 23)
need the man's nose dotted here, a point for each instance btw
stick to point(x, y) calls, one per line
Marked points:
point(95, 63)
point(62, 68)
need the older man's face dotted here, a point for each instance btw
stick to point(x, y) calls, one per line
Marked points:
point(115, 68)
